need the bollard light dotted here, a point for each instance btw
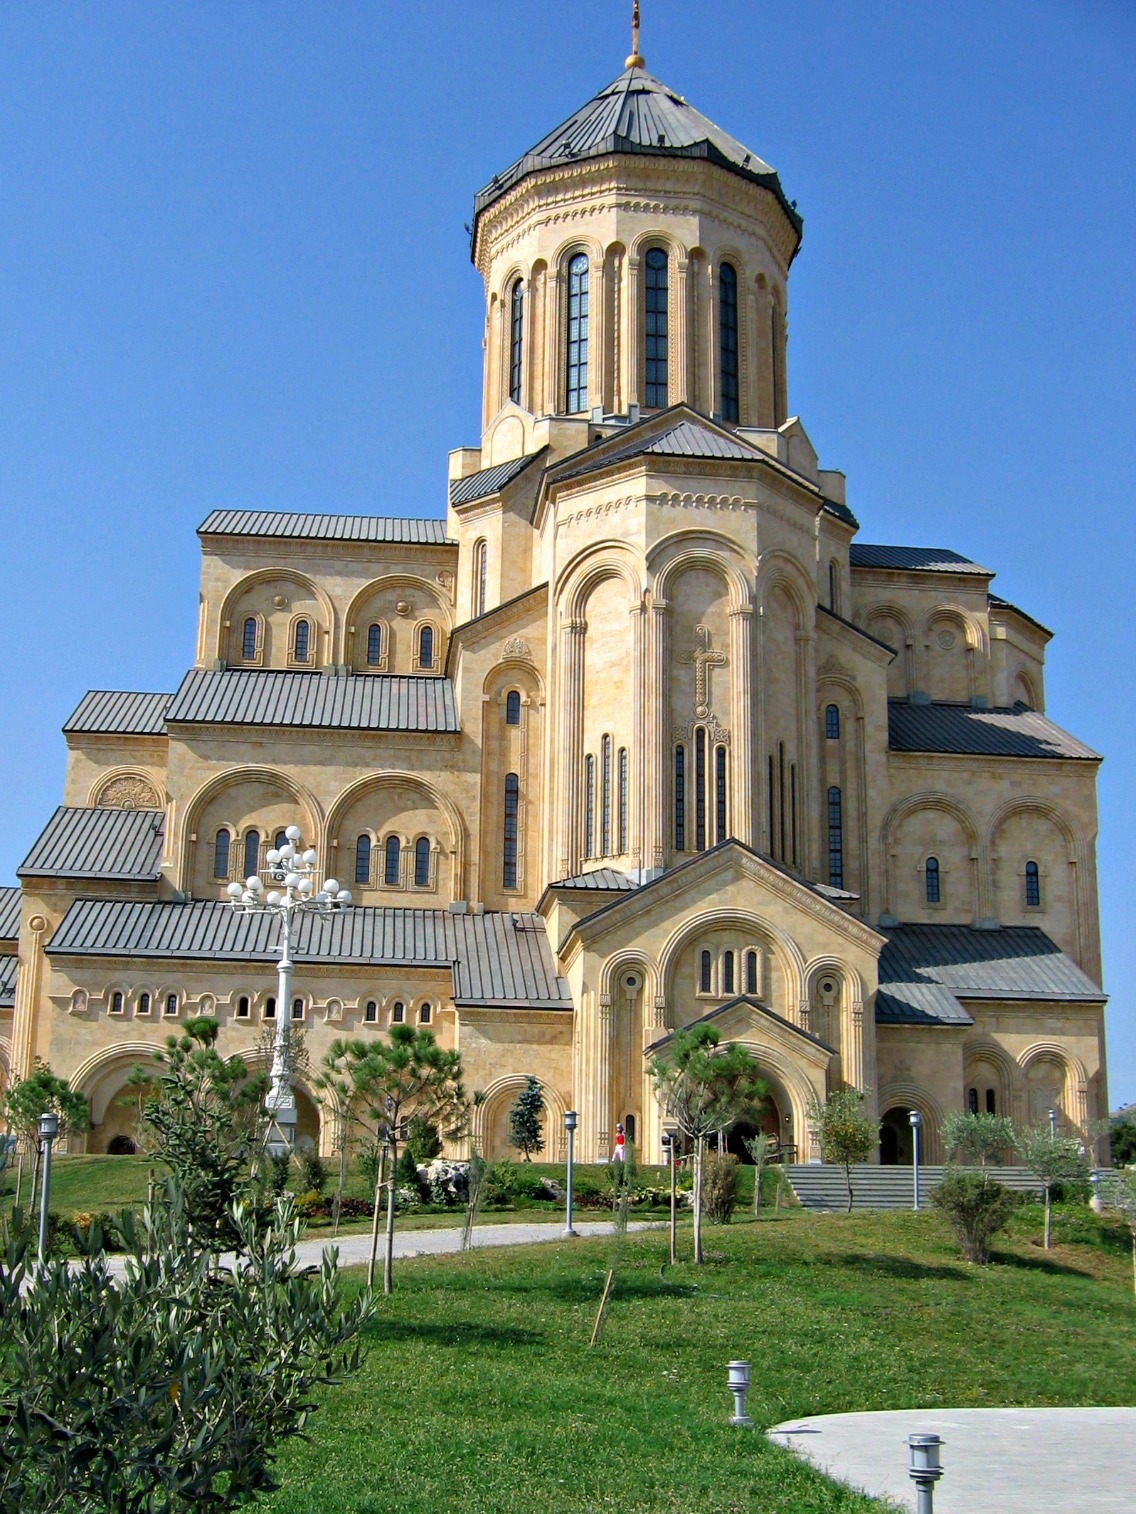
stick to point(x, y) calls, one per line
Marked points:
point(915, 1119)
point(48, 1130)
point(1096, 1203)
point(570, 1122)
point(1053, 1124)
point(737, 1375)
point(924, 1468)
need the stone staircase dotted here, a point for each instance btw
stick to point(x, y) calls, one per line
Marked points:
point(822, 1188)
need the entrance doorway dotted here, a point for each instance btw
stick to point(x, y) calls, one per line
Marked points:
point(769, 1124)
point(896, 1147)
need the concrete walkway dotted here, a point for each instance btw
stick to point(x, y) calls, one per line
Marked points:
point(995, 1461)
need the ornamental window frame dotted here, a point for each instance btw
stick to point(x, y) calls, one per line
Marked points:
point(516, 319)
point(222, 853)
point(576, 346)
point(1031, 885)
point(510, 841)
point(364, 858)
point(480, 581)
point(393, 853)
point(310, 638)
point(425, 629)
point(258, 623)
point(729, 343)
point(656, 341)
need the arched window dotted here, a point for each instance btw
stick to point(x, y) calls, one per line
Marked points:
point(516, 336)
point(221, 855)
point(931, 880)
point(1033, 886)
point(363, 860)
point(371, 1013)
point(424, 1015)
point(301, 642)
point(728, 339)
point(576, 352)
point(776, 341)
point(680, 799)
point(480, 577)
point(655, 330)
point(623, 766)
point(243, 1007)
point(281, 839)
point(398, 1012)
point(171, 1005)
point(270, 1007)
point(426, 647)
point(248, 640)
point(374, 644)
point(391, 861)
point(297, 1009)
point(972, 1100)
point(252, 853)
point(605, 797)
point(835, 839)
point(422, 863)
point(832, 722)
point(116, 1002)
point(727, 972)
point(700, 790)
point(990, 1102)
point(720, 818)
point(704, 970)
point(509, 850)
point(512, 708)
point(143, 1004)
point(589, 805)
point(751, 972)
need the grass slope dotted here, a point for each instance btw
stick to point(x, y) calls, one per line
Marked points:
point(480, 1392)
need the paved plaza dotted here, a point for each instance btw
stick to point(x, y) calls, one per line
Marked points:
point(995, 1461)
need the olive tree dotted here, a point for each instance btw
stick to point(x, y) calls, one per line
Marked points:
point(981, 1139)
point(1118, 1191)
point(1054, 1159)
point(705, 1087)
point(843, 1130)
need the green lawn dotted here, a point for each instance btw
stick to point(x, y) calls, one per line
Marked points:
point(480, 1392)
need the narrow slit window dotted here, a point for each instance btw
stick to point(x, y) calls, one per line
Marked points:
point(589, 805)
point(171, 1004)
point(371, 1013)
point(655, 330)
point(252, 853)
point(422, 863)
point(512, 708)
point(509, 852)
point(1033, 886)
point(480, 577)
point(772, 811)
point(727, 972)
point(221, 855)
point(680, 799)
point(248, 640)
point(302, 640)
point(728, 339)
point(833, 588)
point(622, 800)
point(424, 1015)
point(751, 972)
point(605, 797)
point(516, 339)
point(116, 1002)
point(391, 860)
point(297, 1009)
point(398, 1012)
point(577, 336)
point(243, 1007)
point(270, 1007)
point(972, 1100)
point(374, 644)
point(793, 810)
point(426, 647)
point(704, 973)
point(280, 840)
point(835, 839)
point(832, 722)
point(932, 883)
point(143, 1004)
point(720, 817)
point(363, 860)
point(781, 796)
point(700, 791)
point(990, 1102)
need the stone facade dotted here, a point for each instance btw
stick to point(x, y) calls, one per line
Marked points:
point(642, 707)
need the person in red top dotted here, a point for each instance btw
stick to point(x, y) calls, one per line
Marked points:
point(620, 1143)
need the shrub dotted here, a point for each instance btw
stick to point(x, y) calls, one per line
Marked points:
point(278, 1172)
point(308, 1204)
point(104, 1226)
point(23, 1227)
point(313, 1173)
point(422, 1140)
point(719, 1186)
point(406, 1172)
point(370, 1159)
point(976, 1210)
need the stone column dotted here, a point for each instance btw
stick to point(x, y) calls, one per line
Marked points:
point(553, 356)
point(631, 330)
point(597, 333)
point(741, 729)
point(713, 372)
point(602, 1114)
point(571, 741)
point(657, 740)
point(807, 859)
point(28, 977)
point(637, 748)
point(616, 334)
point(680, 344)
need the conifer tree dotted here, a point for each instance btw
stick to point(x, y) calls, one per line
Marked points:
point(525, 1119)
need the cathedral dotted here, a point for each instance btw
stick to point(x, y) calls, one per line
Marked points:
point(640, 734)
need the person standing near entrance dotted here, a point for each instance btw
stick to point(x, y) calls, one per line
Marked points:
point(620, 1152)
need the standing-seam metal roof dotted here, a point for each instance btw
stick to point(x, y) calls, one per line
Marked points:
point(495, 958)
point(262, 696)
point(600, 878)
point(311, 527)
point(926, 969)
point(685, 438)
point(464, 491)
point(8, 968)
point(961, 729)
point(864, 554)
point(9, 911)
point(98, 843)
point(116, 712)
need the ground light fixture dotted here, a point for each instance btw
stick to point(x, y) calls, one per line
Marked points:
point(293, 872)
point(670, 1152)
point(924, 1469)
point(48, 1130)
point(915, 1119)
point(570, 1122)
point(737, 1376)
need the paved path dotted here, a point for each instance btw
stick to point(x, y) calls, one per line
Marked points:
point(995, 1461)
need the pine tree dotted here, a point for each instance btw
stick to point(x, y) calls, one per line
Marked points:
point(525, 1119)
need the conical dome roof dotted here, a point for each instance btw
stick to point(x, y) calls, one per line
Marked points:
point(637, 114)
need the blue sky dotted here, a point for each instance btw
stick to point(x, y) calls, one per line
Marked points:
point(233, 271)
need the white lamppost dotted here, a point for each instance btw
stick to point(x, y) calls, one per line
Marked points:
point(916, 1120)
point(570, 1131)
point(48, 1130)
point(295, 871)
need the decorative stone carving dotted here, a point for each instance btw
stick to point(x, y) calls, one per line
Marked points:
point(946, 640)
point(333, 1011)
point(78, 1005)
point(129, 791)
point(832, 664)
point(280, 601)
point(516, 646)
point(403, 607)
point(703, 658)
point(719, 734)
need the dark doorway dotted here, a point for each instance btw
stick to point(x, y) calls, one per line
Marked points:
point(895, 1138)
point(120, 1146)
point(769, 1124)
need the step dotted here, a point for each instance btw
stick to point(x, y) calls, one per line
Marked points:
point(821, 1187)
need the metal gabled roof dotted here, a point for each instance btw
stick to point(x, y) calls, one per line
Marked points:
point(495, 958)
point(302, 526)
point(113, 712)
point(120, 845)
point(636, 114)
point(751, 1002)
point(8, 967)
point(926, 969)
point(960, 729)
point(684, 438)
point(600, 878)
point(913, 559)
point(292, 697)
point(9, 911)
point(998, 603)
point(463, 491)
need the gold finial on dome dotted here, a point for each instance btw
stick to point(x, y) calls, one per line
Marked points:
point(634, 60)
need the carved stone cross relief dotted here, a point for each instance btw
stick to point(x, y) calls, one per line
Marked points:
point(703, 659)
